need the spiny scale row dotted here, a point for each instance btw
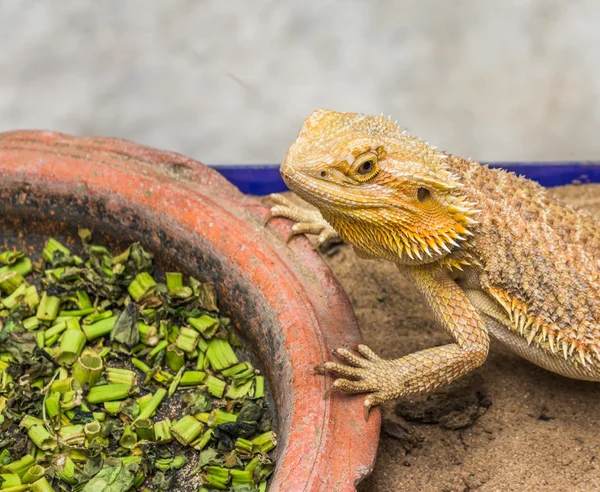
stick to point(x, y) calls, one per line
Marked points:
point(530, 327)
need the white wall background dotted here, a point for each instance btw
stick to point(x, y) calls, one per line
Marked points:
point(230, 81)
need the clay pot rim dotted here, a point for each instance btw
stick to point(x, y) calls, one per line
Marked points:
point(179, 184)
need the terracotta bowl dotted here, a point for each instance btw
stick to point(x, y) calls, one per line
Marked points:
point(282, 298)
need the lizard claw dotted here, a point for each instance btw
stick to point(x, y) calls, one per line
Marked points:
point(365, 373)
point(370, 402)
point(306, 221)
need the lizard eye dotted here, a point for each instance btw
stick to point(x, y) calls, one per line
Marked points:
point(365, 167)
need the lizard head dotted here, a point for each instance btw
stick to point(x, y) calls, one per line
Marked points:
point(387, 193)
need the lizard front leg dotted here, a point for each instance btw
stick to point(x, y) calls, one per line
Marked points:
point(306, 221)
point(427, 369)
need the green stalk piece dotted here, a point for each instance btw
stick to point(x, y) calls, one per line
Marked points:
point(148, 334)
point(128, 438)
point(218, 417)
point(265, 442)
point(162, 431)
point(92, 430)
point(83, 300)
point(174, 280)
point(99, 328)
point(33, 474)
point(70, 400)
point(217, 477)
point(216, 386)
point(159, 347)
point(53, 410)
point(65, 385)
point(153, 404)
point(97, 316)
point(192, 378)
point(238, 392)
point(42, 485)
point(175, 383)
point(144, 428)
point(187, 339)
point(175, 357)
point(259, 387)
point(31, 323)
point(244, 447)
point(186, 429)
point(9, 481)
point(65, 468)
point(21, 465)
point(112, 407)
point(201, 361)
point(23, 267)
point(11, 281)
point(48, 308)
point(76, 313)
point(118, 375)
point(55, 330)
point(71, 346)
point(72, 435)
point(88, 368)
point(41, 437)
point(109, 392)
point(142, 286)
point(25, 292)
point(241, 477)
point(205, 324)
point(52, 247)
point(201, 442)
point(11, 257)
point(220, 355)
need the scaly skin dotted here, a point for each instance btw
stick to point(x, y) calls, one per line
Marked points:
point(491, 252)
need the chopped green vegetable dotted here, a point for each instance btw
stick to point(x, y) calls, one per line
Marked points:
point(186, 429)
point(98, 354)
point(220, 355)
point(108, 392)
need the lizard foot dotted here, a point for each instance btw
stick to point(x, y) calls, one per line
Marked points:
point(307, 221)
point(364, 373)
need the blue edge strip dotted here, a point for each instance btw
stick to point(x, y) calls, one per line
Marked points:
point(265, 179)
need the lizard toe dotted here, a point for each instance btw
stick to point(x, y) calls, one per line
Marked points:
point(277, 198)
point(350, 358)
point(342, 369)
point(373, 400)
point(327, 234)
point(305, 228)
point(367, 353)
point(363, 386)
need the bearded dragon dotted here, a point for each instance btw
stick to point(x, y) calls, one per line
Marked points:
point(491, 252)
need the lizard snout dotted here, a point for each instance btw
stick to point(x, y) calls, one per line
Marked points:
point(286, 171)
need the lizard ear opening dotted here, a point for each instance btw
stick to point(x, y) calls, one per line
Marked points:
point(423, 194)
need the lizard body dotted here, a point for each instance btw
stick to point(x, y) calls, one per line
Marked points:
point(491, 252)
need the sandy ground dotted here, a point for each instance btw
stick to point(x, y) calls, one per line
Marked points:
point(509, 425)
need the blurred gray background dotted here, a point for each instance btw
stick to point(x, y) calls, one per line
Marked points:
point(231, 81)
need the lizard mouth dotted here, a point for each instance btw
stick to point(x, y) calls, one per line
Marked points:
point(287, 179)
point(323, 194)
